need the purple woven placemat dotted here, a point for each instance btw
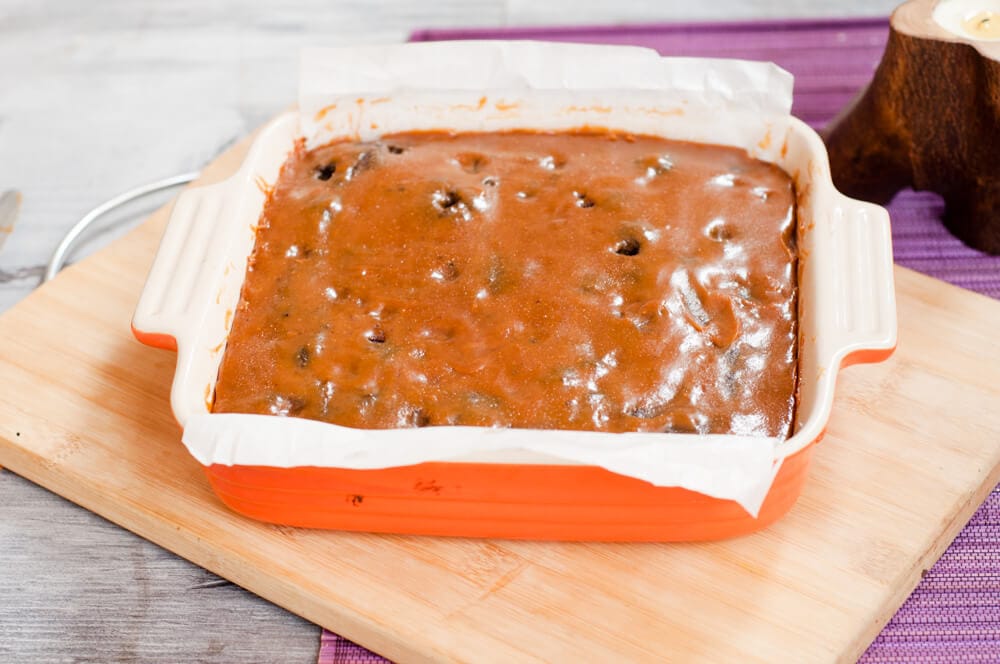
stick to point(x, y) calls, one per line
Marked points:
point(954, 614)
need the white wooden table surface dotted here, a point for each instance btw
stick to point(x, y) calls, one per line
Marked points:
point(97, 97)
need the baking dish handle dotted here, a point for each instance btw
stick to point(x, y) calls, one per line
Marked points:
point(864, 304)
point(188, 255)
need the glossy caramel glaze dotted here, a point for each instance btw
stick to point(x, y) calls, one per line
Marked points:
point(585, 280)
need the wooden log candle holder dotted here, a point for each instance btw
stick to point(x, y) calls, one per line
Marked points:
point(930, 118)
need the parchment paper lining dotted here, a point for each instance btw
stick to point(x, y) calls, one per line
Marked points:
point(489, 86)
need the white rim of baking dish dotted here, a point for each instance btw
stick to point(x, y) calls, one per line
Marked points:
point(846, 292)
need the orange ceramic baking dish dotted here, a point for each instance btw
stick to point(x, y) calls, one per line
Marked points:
point(846, 315)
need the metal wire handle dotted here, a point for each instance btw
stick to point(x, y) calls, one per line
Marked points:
point(59, 255)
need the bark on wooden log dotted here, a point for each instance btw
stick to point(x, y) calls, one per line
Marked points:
point(930, 119)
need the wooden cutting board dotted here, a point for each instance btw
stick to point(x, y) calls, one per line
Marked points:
point(912, 449)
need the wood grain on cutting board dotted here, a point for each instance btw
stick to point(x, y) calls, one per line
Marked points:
point(913, 447)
